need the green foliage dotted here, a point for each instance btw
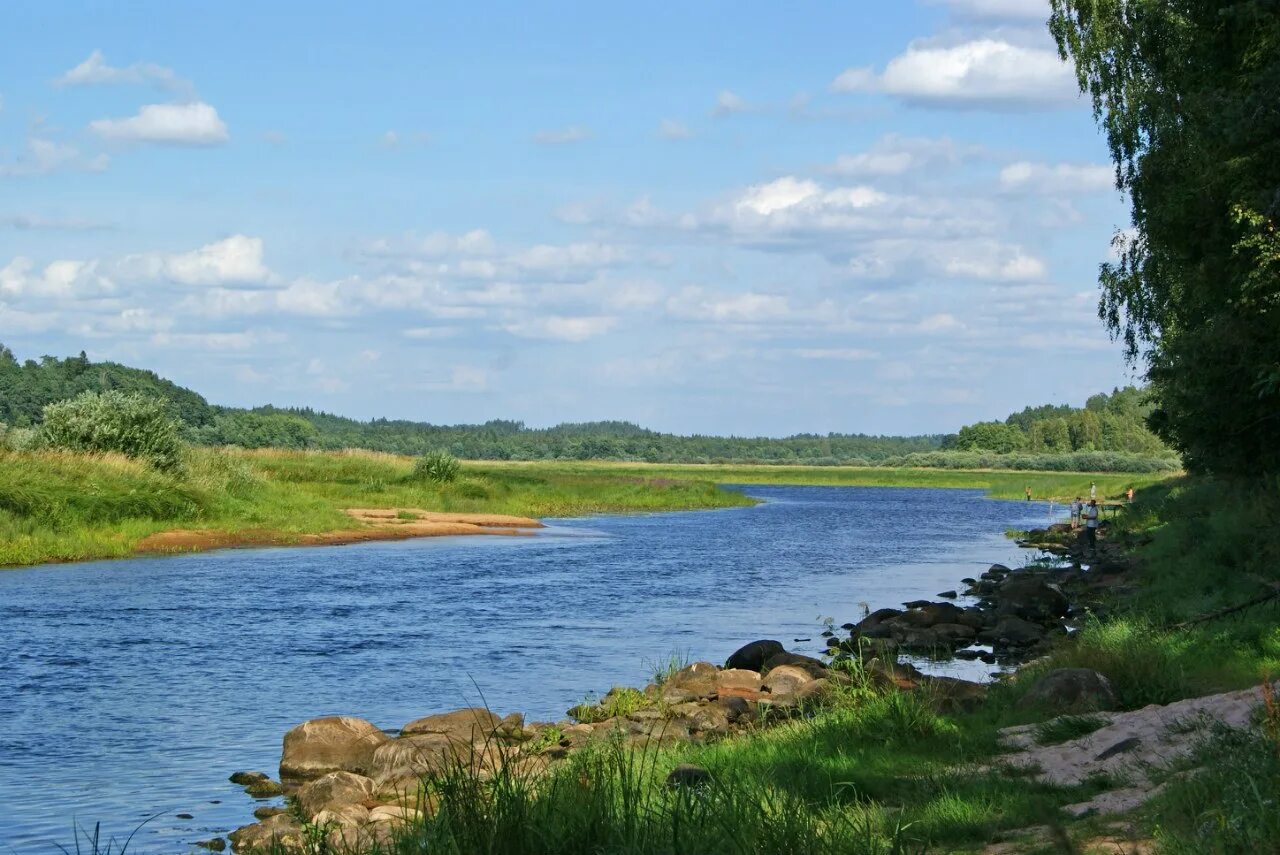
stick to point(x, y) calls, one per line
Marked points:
point(1112, 424)
point(439, 467)
point(1186, 94)
point(256, 430)
point(27, 387)
point(1229, 804)
point(114, 422)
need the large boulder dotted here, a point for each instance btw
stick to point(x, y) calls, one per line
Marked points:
point(698, 679)
point(280, 833)
point(1031, 598)
point(332, 744)
point(405, 761)
point(786, 679)
point(876, 618)
point(931, 614)
point(1014, 632)
point(737, 678)
point(752, 656)
point(815, 667)
point(332, 791)
point(1070, 690)
point(465, 725)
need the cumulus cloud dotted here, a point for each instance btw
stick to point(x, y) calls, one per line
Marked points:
point(696, 304)
point(563, 136)
point(989, 72)
point(95, 71)
point(195, 124)
point(893, 154)
point(1057, 178)
point(236, 260)
point(59, 280)
point(43, 156)
point(570, 329)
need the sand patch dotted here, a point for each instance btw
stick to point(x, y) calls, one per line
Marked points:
point(376, 524)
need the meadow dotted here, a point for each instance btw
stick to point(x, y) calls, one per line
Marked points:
point(69, 506)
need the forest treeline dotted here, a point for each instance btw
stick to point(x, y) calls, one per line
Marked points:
point(1107, 434)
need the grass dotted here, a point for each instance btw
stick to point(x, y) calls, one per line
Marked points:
point(1002, 484)
point(1068, 727)
point(60, 506)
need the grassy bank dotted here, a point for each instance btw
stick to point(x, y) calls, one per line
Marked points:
point(62, 506)
point(881, 772)
point(998, 483)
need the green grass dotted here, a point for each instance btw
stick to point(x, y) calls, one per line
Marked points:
point(1004, 484)
point(60, 506)
point(1068, 727)
point(57, 506)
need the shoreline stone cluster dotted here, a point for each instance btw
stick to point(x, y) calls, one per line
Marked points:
point(358, 783)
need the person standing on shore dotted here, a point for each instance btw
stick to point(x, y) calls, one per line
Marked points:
point(1128, 494)
point(1093, 490)
point(1028, 493)
point(1076, 508)
point(1091, 525)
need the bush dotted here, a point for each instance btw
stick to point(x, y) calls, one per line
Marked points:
point(439, 467)
point(105, 422)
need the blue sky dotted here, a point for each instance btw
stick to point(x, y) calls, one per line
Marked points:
point(721, 218)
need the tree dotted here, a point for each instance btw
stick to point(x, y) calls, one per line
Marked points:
point(1187, 93)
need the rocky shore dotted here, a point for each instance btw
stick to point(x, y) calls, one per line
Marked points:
point(354, 784)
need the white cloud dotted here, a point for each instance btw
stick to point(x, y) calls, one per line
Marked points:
point(897, 155)
point(95, 71)
point(729, 103)
point(696, 304)
point(212, 340)
point(563, 136)
point(235, 260)
point(166, 124)
point(984, 72)
point(44, 156)
point(670, 129)
point(572, 329)
point(1031, 11)
point(1057, 178)
point(58, 280)
point(941, 322)
point(390, 139)
point(844, 354)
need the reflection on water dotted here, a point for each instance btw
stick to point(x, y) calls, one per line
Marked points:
point(134, 688)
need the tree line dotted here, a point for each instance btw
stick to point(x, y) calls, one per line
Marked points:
point(1044, 437)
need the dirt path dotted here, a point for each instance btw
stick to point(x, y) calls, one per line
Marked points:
point(375, 524)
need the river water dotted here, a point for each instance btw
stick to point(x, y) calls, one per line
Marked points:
point(132, 689)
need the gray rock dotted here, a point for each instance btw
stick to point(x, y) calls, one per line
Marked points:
point(1070, 690)
point(689, 775)
point(752, 656)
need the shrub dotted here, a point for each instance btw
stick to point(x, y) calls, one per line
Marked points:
point(104, 422)
point(439, 467)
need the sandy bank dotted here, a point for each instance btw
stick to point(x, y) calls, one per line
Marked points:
point(375, 524)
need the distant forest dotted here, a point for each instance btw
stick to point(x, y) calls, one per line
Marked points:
point(1112, 423)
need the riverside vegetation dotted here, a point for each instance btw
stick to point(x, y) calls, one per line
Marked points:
point(1107, 434)
point(783, 753)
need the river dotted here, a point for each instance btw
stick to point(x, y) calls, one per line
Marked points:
point(132, 689)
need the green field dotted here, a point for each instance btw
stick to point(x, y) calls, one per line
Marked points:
point(998, 483)
point(62, 506)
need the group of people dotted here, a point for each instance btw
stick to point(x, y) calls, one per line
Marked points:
point(1087, 514)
